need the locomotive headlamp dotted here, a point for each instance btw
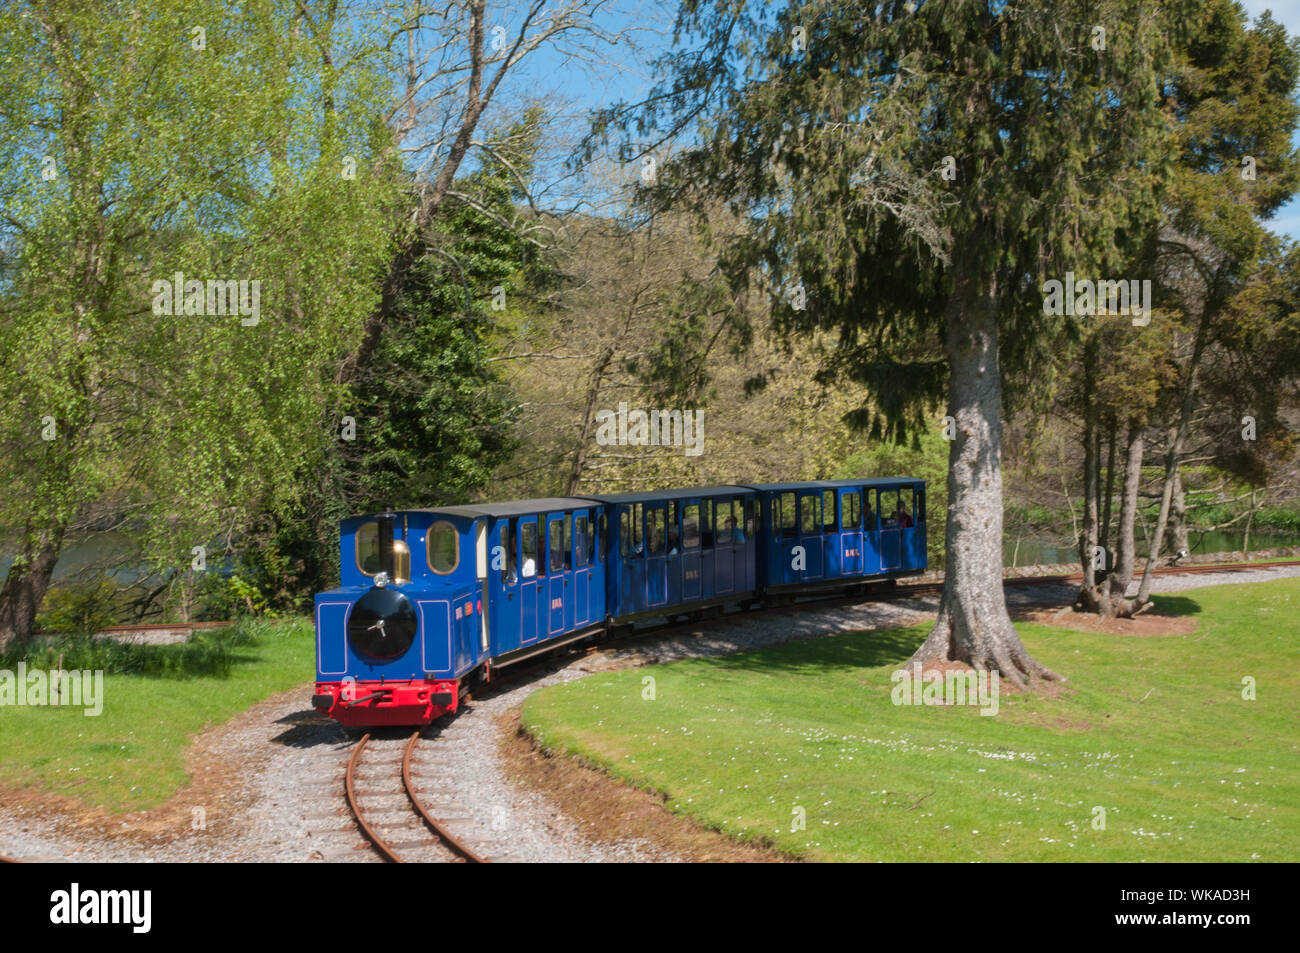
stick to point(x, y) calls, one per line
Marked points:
point(381, 579)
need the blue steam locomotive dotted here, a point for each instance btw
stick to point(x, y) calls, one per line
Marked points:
point(433, 600)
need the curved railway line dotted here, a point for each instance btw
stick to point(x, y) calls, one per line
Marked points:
point(415, 821)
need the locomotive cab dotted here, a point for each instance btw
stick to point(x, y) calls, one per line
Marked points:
point(396, 639)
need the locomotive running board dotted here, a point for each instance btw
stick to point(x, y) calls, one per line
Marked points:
point(519, 655)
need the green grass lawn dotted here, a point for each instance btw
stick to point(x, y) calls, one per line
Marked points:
point(132, 755)
point(1153, 730)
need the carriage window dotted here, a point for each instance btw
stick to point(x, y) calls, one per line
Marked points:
point(529, 540)
point(788, 514)
point(509, 533)
point(852, 507)
point(751, 517)
point(723, 522)
point(367, 540)
point(706, 524)
point(444, 547)
point(604, 536)
point(654, 531)
point(568, 540)
point(674, 541)
point(581, 541)
point(638, 530)
point(889, 509)
point(920, 505)
point(828, 511)
point(905, 518)
point(810, 517)
point(691, 526)
point(557, 545)
point(869, 517)
point(625, 532)
point(737, 521)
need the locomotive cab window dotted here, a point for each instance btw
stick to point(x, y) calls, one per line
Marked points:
point(367, 541)
point(444, 548)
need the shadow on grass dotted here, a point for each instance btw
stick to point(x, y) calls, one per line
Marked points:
point(867, 649)
point(1176, 605)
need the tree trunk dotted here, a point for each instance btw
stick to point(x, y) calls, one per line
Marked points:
point(1177, 433)
point(588, 421)
point(1112, 427)
point(973, 624)
point(1111, 598)
point(1178, 539)
point(1088, 593)
point(1250, 518)
point(25, 586)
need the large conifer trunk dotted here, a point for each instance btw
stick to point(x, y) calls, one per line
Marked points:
point(973, 625)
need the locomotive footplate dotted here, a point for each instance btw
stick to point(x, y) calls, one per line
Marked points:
point(418, 701)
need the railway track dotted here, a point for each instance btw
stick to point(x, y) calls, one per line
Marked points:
point(407, 831)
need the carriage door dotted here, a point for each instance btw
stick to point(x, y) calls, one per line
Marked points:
point(529, 582)
point(724, 547)
point(656, 561)
point(582, 556)
point(507, 607)
point(785, 528)
point(891, 556)
point(560, 572)
point(810, 533)
point(851, 532)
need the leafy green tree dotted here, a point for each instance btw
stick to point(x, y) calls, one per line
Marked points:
point(138, 141)
point(1232, 95)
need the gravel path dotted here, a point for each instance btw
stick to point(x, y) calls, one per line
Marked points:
point(290, 806)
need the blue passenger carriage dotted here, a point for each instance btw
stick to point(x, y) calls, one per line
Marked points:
point(546, 583)
point(821, 534)
point(680, 552)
